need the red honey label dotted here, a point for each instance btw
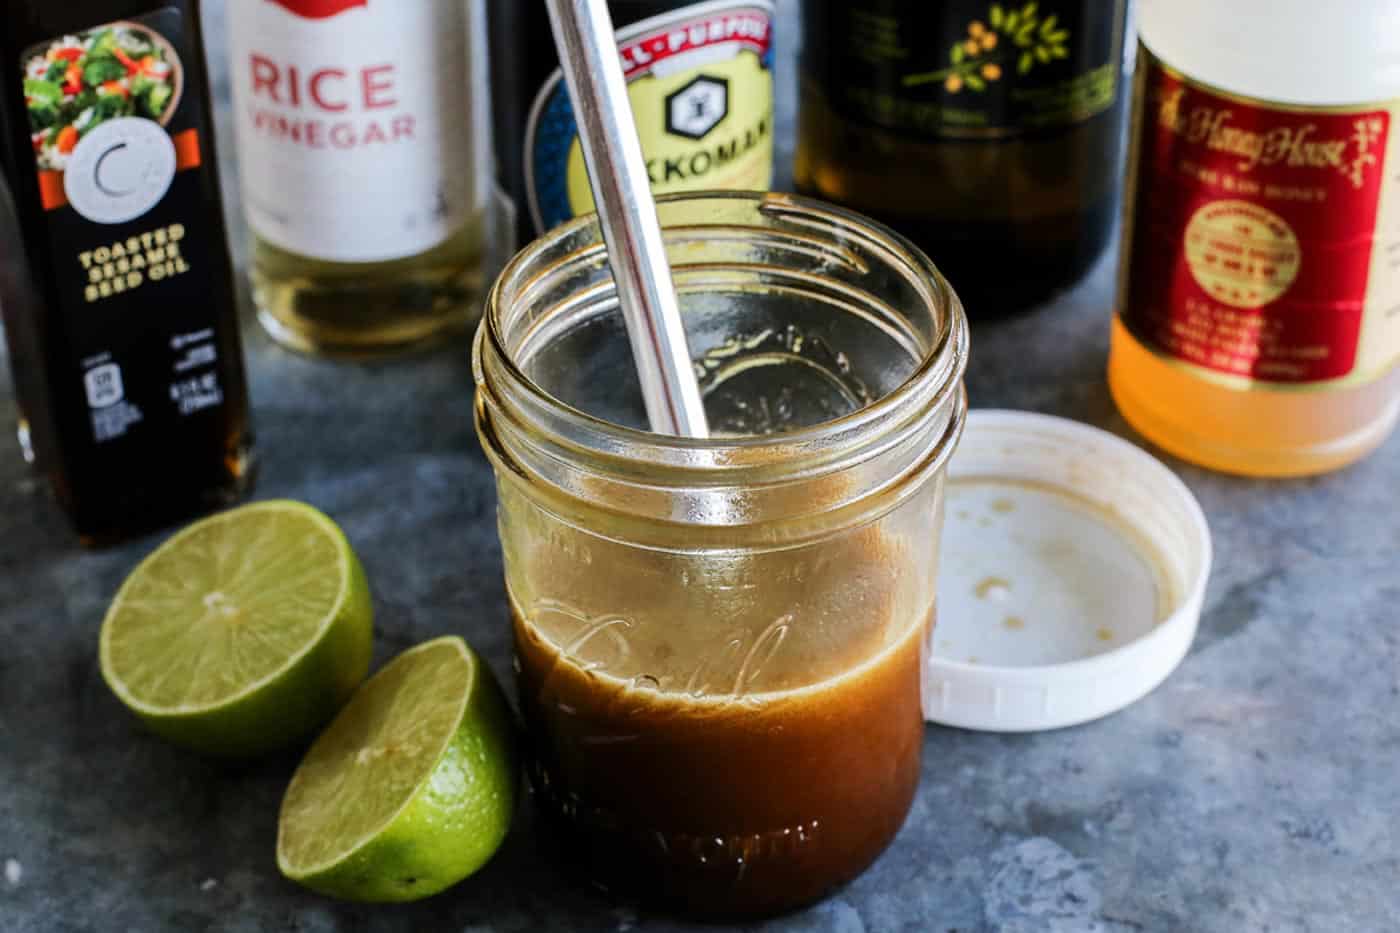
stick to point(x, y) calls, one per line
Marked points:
point(1252, 247)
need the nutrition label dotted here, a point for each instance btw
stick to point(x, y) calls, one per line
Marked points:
point(191, 391)
point(105, 390)
point(194, 387)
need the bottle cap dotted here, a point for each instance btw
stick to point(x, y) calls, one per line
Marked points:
point(1073, 570)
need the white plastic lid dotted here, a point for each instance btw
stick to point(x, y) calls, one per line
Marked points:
point(1074, 565)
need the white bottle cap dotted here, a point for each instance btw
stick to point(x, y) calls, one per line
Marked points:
point(1074, 565)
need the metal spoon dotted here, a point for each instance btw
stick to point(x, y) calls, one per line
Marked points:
point(583, 33)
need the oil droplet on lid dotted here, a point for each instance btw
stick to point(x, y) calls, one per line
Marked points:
point(1040, 585)
point(993, 588)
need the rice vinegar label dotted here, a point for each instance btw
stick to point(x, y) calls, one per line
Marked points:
point(701, 85)
point(354, 124)
point(967, 68)
point(1263, 240)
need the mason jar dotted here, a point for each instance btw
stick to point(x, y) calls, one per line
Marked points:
point(720, 642)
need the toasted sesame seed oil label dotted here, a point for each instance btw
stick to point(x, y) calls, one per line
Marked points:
point(967, 68)
point(119, 139)
point(1260, 243)
point(701, 85)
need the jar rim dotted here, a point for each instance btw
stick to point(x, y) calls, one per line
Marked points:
point(937, 375)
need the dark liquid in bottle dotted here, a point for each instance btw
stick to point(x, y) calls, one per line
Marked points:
point(724, 806)
point(1002, 167)
point(118, 297)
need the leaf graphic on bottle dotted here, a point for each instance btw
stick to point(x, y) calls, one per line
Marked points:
point(977, 61)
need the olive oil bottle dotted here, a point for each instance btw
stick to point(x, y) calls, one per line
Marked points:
point(989, 133)
point(116, 286)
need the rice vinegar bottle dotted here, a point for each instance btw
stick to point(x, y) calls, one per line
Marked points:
point(363, 146)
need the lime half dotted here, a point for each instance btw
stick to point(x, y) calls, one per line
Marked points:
point(243, 632)
point(411, 788)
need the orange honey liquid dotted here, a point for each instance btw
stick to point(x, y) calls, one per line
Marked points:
point(1255, 432)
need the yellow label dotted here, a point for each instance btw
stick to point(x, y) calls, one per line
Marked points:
point(700, 82)
point(734, 153)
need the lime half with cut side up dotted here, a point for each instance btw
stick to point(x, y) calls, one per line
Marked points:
point(242, 633)
point(411, 788)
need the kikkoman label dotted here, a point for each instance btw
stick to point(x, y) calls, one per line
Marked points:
point(701, 84)
point(1263, 239)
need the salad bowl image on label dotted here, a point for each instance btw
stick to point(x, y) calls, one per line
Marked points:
point(74, 84)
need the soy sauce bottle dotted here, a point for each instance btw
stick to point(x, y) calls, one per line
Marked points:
point(988, 133)
point(700, 79)
point(118, 297)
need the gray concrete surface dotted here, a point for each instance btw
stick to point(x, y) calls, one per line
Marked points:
point(1256, 790)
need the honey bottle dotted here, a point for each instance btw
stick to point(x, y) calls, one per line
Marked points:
point(1258, 313)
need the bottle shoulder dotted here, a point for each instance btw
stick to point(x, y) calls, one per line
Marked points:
point(1289, 51)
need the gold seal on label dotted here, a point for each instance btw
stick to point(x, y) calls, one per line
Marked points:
point(1242, 254)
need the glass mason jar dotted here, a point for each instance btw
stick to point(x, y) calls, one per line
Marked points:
point(719, 642)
